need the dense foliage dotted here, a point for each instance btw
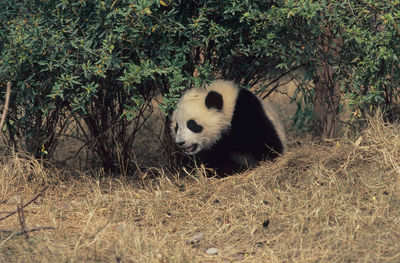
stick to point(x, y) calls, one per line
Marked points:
point(351, 51)
point(99, 63)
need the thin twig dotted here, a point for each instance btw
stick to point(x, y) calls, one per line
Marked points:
point(25, 205)
point(277, 79)
point(26, 230)
point(21, 216)
point(90, 141)
point(105, 225)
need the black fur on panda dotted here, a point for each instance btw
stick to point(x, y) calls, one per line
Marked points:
point(227, 128)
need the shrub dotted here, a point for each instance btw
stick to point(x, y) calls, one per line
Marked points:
point(350, 50)
point(91, 61)
point(100, 63)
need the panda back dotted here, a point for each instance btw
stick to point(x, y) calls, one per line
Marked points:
point(252, 130)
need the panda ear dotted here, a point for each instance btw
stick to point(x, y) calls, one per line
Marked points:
point(214, 100)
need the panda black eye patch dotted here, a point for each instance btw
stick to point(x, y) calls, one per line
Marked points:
point(193, 126)
point(176, 127)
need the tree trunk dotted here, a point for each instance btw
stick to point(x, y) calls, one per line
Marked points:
point(326, 103)
point(326, 86)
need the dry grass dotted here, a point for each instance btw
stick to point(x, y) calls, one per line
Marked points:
point(322, 202)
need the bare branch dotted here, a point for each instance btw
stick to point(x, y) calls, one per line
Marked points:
point(26, 231)
point(276, 80)
point(21, 216)
point(5, 109)
point(25, 205)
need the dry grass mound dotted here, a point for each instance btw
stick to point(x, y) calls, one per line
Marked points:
point(322, 202)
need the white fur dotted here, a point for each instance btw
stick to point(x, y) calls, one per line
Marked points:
point(214, 122)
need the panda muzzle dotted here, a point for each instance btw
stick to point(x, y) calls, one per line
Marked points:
point(190, 148)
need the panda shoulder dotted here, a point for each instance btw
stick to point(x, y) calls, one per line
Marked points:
point(272, 115)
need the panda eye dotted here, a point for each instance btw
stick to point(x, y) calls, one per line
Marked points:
point(176, 127)
point(194, 127)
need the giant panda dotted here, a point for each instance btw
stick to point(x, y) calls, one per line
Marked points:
point(226, 128)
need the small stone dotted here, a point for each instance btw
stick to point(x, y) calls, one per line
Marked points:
point(260, 243)
point(195, 239)
point(212, 251)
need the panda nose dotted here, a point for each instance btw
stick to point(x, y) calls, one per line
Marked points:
point(180, 143)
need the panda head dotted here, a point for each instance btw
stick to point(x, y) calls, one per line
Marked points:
point(203, 115)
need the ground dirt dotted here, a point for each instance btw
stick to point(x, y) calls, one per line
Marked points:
point(325, 201)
